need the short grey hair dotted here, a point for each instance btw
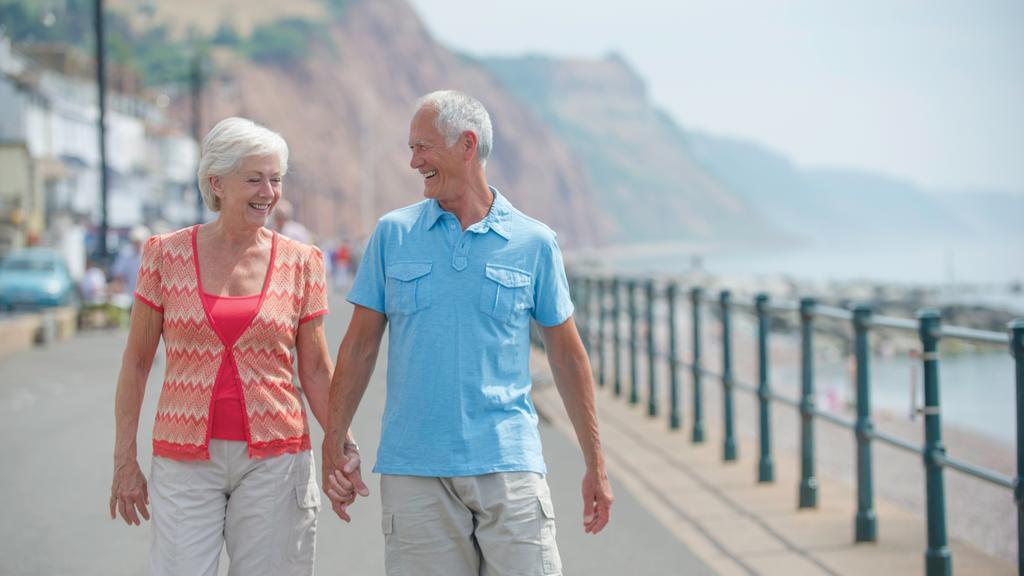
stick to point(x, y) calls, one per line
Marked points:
point(227, 143)
point(458, 112)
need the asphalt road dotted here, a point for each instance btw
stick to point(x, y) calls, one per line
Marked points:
point(56, 438)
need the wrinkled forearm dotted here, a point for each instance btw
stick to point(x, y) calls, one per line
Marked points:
point(143, 340)
point(573, 380)
point(315, 369)
point(348, 387)
point(357, 358)
point(131, 389)
point(316, 386)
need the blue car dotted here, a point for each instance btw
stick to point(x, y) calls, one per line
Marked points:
point(36, 278)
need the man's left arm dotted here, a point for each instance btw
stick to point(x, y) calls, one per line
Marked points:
point(571, 370)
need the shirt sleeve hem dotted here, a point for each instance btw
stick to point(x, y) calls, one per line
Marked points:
point(309, 317)
point(356, 301)
point(149, 303)
point(564, 319)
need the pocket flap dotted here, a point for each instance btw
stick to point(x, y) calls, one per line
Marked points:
point(407, 271)
point(387, 523)
point(308, 495)
point(508, 277)
point(547, 508)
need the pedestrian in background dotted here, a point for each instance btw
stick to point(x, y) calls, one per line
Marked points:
point(93, 285)
point(124, 272)
point(125, 269)
point(234, 303)
point(342, 265)
point(285, 223)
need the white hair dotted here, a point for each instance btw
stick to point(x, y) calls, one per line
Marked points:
point(458, 112)
point(227, 143)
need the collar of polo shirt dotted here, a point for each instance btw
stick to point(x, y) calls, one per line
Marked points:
point(497, 218)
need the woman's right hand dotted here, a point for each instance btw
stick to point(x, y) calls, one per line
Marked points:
point(129, 493)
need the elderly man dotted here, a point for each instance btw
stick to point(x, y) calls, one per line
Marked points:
point(459, 277)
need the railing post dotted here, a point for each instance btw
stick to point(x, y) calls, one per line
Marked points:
point(602, 317)
point(808, 481)
point(673, 358)
point(696, 296)
point(573, 289)
point(583, 318)
point(765, 466)
point(1017, 351)
point(937, 557)
point(634, 367)
point(574, 295)
point(593, 320)
point(616, 333)
point(866, 521)
point(588, 310)
point(652, 354)
point(729, 443)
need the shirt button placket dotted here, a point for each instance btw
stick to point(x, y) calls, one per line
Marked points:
point(459, 259)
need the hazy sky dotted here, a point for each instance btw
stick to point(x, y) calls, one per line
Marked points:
point(932, 90)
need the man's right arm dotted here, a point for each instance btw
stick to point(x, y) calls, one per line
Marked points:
point(357, 357)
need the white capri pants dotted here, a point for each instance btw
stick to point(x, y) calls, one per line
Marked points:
point(499, 524)
point(264, 510)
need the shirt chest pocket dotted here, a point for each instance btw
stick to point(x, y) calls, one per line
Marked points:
point(507, 292)
point(407, 290)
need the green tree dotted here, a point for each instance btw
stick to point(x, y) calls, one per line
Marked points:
point(282, 42)
point(226, 35)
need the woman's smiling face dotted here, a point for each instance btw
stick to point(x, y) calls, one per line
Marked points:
point(250, 193)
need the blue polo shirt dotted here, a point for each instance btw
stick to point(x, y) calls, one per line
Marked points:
point(459, 304)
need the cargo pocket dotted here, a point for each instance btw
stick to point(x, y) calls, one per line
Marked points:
point(407, 288)
point(392, 561)
point(303, 545)
point(506, 293)
point(549, 558)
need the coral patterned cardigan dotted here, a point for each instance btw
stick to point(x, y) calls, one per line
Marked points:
point(294, 291)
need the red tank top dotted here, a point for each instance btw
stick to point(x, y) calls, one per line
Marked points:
point(232, 315)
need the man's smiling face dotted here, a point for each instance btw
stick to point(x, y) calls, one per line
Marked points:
point(443, 168)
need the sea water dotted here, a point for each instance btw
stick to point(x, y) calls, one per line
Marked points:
point(977, 389)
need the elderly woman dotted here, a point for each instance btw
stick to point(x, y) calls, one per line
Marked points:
point(233, 302)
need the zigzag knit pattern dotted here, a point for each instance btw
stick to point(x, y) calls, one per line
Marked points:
point(294, 292)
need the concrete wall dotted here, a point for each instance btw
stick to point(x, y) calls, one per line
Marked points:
point(21, 332)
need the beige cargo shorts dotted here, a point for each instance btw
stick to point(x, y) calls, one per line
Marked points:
point(500, 524)
point(264, 511)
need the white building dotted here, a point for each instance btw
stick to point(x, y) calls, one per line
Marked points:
point(49, 147)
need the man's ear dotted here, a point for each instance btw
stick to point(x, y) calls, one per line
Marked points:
point(468, 142)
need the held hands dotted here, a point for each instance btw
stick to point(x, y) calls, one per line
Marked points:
point(342, 477)
point(597, 500)
point(129, 494)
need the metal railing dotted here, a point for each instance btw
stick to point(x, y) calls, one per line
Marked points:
point(599, 314)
